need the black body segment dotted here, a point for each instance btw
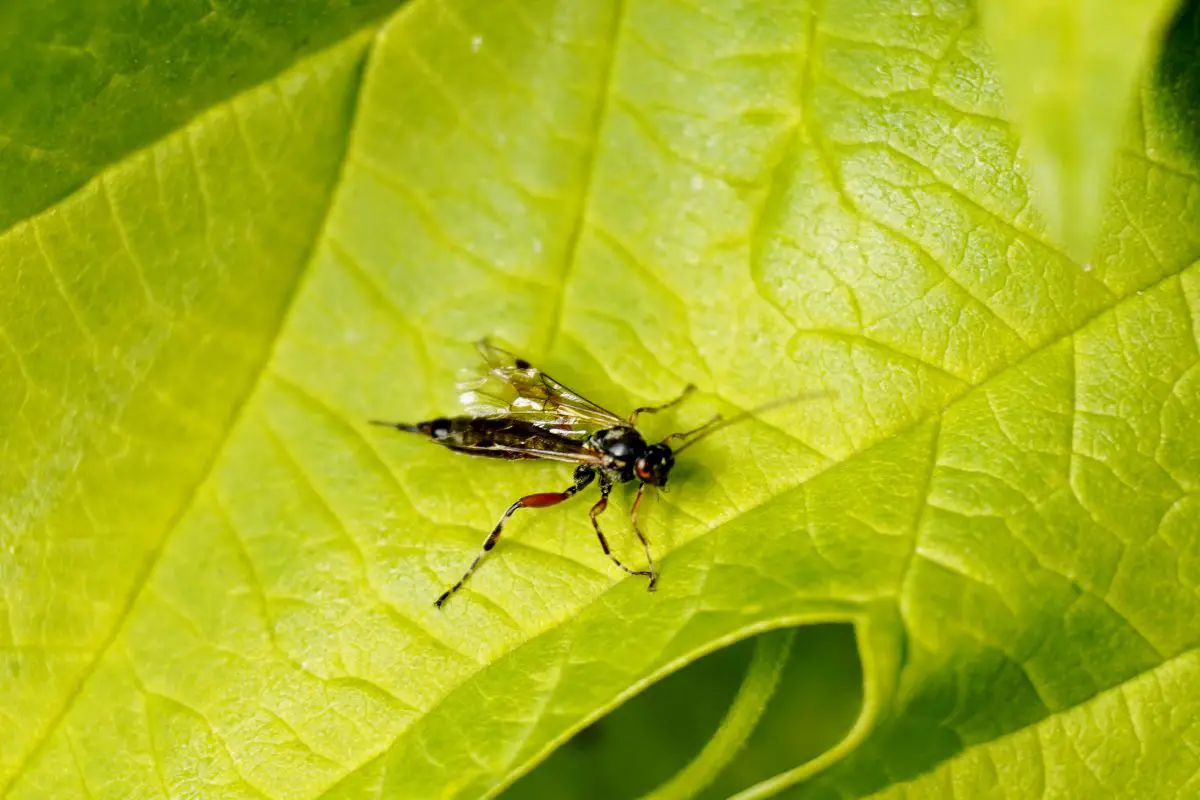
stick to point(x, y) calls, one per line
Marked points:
point(621, 447)
point(501, 437)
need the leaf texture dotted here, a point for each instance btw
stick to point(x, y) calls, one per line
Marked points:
point(219, 581)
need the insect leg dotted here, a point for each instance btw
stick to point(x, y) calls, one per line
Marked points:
point(583, 476)
point(655, 409)
point(633, 511)
point(693, 431)
point(597, 510)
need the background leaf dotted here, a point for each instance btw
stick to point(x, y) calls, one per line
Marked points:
point(218, 581)
point(645, 741)
point(1137, 740)
point(138, 316)
point(85, 84)
point(1070, 68)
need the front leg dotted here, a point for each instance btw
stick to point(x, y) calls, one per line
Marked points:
point(633, 512)
point(597, 510)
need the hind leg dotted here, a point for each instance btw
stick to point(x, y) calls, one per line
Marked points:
point(583, 476)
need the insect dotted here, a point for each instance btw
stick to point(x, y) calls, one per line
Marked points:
point(516, 411)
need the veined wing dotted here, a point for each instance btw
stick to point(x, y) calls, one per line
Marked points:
point(512, 387)
point(505, 437)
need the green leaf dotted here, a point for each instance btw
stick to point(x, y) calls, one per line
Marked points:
point(218, 581)
point(771, 652)
point(139, 314)
point(85, 84)
point(646, 741)
point(1136, 740)
point(1070, 69)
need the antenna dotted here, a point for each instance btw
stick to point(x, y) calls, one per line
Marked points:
point(718, 422)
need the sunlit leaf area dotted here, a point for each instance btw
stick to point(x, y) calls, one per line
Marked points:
point(933, 262)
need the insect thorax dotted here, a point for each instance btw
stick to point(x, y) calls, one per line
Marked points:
point(623, 445)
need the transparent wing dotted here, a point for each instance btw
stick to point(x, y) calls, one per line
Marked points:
point(510, 386)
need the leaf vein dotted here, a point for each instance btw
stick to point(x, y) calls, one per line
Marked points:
point(580, 215)
point(143, 572)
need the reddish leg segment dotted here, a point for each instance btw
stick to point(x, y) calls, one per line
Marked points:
point(583, 477)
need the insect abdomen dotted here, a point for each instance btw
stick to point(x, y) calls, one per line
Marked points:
point(496, 437)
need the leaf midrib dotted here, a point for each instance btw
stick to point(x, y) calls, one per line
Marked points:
point(371, 32)
point(599, 121)
point(516, 770)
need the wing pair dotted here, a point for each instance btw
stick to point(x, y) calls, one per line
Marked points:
point(512, 387)
point(514, 410)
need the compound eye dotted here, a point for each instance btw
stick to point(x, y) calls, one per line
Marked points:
point(642, 471)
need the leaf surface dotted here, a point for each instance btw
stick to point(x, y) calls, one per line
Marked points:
point(219, 580)
point(86, 84)
point(1070, 70)
point(1135, 740)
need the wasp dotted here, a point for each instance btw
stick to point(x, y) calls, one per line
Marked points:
point(513, 410)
